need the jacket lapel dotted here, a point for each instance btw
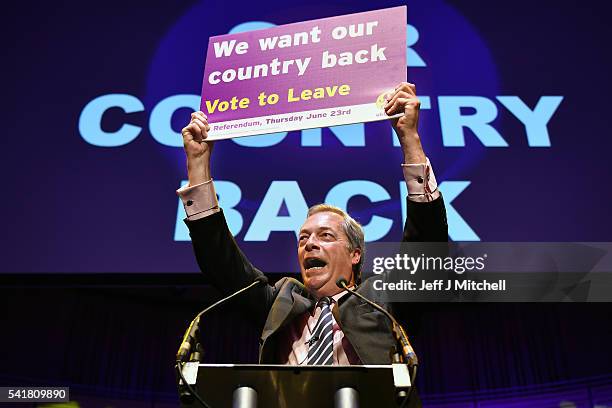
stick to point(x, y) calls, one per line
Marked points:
point(292, 300)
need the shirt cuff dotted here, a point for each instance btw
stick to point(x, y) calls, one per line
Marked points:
point(421, 182)
point(200, 200)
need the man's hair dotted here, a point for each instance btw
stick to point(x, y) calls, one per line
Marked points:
point(352, 230)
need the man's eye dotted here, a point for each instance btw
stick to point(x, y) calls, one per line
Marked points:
point(328, 235)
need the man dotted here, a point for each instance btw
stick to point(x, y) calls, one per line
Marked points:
point(314, 322)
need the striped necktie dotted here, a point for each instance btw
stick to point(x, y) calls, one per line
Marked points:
point(321, 343)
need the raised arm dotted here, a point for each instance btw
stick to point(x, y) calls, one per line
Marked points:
point(426, 215)
point(218, 256)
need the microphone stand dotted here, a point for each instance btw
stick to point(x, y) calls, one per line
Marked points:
point(191, 335)
point(408, 355)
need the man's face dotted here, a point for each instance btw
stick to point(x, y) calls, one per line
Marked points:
point(323, 254)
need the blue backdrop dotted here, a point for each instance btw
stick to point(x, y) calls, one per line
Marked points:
point(514, 120)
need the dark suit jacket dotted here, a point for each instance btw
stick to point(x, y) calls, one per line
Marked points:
point(274, 307)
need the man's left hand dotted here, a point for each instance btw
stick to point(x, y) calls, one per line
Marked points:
point(404, 99)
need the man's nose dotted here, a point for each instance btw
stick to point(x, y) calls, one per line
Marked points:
point(312, 243)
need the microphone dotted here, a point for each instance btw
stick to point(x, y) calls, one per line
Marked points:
point(194, 328)
point(401, 337)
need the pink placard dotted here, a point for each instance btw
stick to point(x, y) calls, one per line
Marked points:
point(318, 73)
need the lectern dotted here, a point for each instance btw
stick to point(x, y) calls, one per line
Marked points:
point(281, 386)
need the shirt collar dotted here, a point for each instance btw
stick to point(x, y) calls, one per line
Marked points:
point(335, 299)
point(340, 295)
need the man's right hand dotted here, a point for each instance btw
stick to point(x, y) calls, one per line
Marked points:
point(197, 149)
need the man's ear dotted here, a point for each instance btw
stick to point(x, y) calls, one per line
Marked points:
point(356, 256)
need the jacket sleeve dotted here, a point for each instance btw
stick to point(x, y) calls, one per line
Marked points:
point(425, 222)
point(225, 266)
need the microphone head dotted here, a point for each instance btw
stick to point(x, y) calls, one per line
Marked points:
point(341, 283)
point(263, 279)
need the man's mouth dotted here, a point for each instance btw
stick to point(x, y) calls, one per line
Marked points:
point(312, 264)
